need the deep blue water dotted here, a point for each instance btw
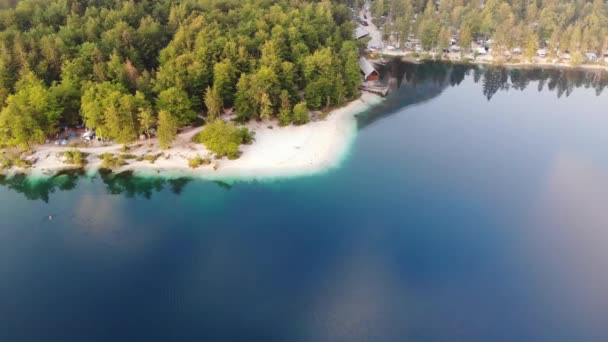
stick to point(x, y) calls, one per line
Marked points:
point(473, 207)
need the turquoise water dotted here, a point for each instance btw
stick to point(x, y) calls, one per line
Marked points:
point(471, 208)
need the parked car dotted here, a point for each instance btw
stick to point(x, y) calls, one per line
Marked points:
point(88, 135)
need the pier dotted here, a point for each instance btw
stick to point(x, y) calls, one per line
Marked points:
point(376, 89)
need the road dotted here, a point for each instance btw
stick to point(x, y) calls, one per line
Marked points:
point(375, 34)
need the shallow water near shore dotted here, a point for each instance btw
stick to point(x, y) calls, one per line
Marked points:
point(471, 207)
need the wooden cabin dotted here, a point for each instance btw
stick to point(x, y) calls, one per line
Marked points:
point(368, 70)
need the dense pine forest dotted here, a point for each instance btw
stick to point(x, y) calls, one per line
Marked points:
point(123, 67)
point(560, 26)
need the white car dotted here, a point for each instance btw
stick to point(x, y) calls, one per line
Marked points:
point(88, 135)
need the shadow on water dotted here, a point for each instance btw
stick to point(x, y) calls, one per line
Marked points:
point(411, 84)
point(41, 189)
point(137, 186)
point(125, 184)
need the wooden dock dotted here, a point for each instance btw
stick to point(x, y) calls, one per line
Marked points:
point(382, 91)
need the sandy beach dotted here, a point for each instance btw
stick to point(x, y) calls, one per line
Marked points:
point(277, 151)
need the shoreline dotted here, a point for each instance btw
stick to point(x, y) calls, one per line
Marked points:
point(277, 152)
point(488, 60)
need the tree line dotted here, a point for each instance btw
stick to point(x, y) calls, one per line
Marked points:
point(574, 26)
point(124, 67)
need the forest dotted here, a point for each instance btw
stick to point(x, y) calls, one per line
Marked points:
point(124, 67)
point(573, 26)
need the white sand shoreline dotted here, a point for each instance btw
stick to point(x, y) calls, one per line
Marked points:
point(278, 152)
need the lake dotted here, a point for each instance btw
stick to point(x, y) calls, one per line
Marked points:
point(472, 207)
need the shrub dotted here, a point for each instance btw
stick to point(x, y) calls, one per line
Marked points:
point(515, 60)
point(128, 156)
point(124, 149)
point(300, 114)
point(74, 157)
point(9, 160)
point(152, 157)
point(284, 117)
point(5, 162)
point(247, 136)
point(15, 159)
point(21, 163)
point(577, 59)
point(110, 161)
point(223, 138)
point(195, 162)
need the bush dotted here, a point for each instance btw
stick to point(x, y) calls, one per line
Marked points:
point(21, 163)
point(223, 138)
point(74, 157)
point(247, 136)
point(124, 149)
point(577, 59)
point(128, 156)
point(9, 160)
point(110, 161)
point(5, 162)
point(300, 114)
point(284, 117)
point(152, 157)
point(198, 161)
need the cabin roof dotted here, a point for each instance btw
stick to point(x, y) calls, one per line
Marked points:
point(366, 67)
point(361, 32)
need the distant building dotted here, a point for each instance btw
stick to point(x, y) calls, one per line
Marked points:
point(368, 70)
point(541, 53)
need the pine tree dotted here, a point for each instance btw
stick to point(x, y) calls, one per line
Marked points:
point(167, 129)
point(300, 114)
point(378, 8)
point(244, 102)
point(265, 107)
point(213, 102)
point(285, 116)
